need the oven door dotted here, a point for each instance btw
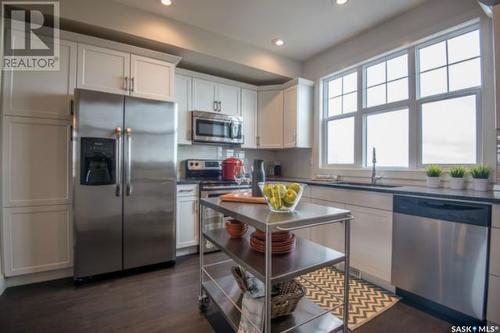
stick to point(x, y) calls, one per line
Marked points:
point(216, 128)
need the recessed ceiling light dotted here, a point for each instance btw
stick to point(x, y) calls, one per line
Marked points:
point(342, 2)
point(166, 2)
point(278, 42)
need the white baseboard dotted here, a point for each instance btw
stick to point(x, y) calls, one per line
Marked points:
point(186, 251)
point(2, 284)
point(38, 277)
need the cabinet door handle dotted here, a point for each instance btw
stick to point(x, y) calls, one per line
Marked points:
point(125, 83)
point(215, 106)
point(132, 85)
point(220, 106)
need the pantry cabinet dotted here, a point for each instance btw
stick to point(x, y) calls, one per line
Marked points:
point(36, 161)
point(44, 94)
point(297, 115)
point(187, 234)
point(249, 114)
point(270, 119)
point(123, 73)
point(183, 100)
point(37, 239)
point(212, 96)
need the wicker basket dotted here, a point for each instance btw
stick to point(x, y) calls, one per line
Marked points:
point(284, 302)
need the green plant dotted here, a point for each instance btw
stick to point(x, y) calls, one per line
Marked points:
point(458, 172)
point(480, 172)
point(434, 171)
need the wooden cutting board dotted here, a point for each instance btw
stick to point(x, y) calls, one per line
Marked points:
point(244, 197)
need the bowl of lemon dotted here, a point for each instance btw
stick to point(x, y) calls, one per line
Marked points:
point(282, 197)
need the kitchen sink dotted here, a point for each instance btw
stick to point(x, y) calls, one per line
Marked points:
point(366, 184)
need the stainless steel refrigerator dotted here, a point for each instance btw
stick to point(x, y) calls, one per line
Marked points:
point(125, 152)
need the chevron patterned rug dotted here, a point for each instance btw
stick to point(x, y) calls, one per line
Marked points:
point(366, 301)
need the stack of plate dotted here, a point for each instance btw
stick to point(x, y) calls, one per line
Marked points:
point(283, 242)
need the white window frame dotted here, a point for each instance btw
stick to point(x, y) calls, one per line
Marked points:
point(413, 103)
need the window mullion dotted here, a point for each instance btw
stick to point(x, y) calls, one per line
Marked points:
point(414, 158)
point(358, 124)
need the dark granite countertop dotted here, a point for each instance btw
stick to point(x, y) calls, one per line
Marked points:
point(469, 195)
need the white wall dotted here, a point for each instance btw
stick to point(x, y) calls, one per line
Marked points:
point(180, 36)
point(425, 20)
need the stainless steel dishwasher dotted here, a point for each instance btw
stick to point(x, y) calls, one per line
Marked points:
point(440, 252)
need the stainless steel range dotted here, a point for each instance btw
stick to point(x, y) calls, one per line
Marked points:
point(209, 174)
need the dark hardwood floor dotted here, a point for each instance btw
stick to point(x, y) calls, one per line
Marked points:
point(162, 300)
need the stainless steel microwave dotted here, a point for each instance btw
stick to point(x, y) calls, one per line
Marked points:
point(217, 128)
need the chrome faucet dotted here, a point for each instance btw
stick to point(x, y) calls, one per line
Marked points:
point(374, 176)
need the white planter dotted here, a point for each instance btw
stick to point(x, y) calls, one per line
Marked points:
point(433, 182)
point(481, 185)
point(456, 183)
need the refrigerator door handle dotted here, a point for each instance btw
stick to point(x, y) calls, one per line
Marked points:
point(128, 132)
point(118, 134)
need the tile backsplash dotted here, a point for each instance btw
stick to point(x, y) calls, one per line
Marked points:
point(294, 162)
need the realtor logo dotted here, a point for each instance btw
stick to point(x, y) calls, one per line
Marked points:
point(31, 33)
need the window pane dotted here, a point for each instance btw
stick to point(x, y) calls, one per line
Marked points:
point(335, 106)
point(433, 82)
point(350, 102)
point(397, 67)
point(388, 133)
point(463, 47)
point(341, 141)
point(375, 74)
point(375, 96)
point(335, 87)
point(397, 90)
point(432, 56)
point(449, 131)
point(465, 74)
point(350, 83)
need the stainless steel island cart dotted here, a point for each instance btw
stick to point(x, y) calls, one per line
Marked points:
point(217, 283)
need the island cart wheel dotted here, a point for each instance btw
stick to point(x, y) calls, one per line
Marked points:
point(203, 302)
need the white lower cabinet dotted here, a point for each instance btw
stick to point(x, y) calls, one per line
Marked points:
point(493, 313)
point(371, 229)
point(371, 241)
point(37, 239)
point(187, 216)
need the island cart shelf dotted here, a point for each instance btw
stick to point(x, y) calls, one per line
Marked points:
point(217, 283)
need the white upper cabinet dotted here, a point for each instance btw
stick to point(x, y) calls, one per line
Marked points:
point(229, 99)
point(204, 95)
point(270, 119)
point(212, 96)
point(44, 94)
point(183, 100)
point(103, 69)
point(297, 116)
point(123, 73)
point(151, 78)
point(249, 114)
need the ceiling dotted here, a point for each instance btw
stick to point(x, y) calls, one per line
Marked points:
point(307, 26)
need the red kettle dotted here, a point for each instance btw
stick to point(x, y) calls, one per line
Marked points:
point(231, 167)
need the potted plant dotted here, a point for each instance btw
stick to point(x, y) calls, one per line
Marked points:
point(434, 173)
point(457, 177)
point(481, 175)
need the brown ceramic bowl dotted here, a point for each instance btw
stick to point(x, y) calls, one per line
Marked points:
point(236, 229)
